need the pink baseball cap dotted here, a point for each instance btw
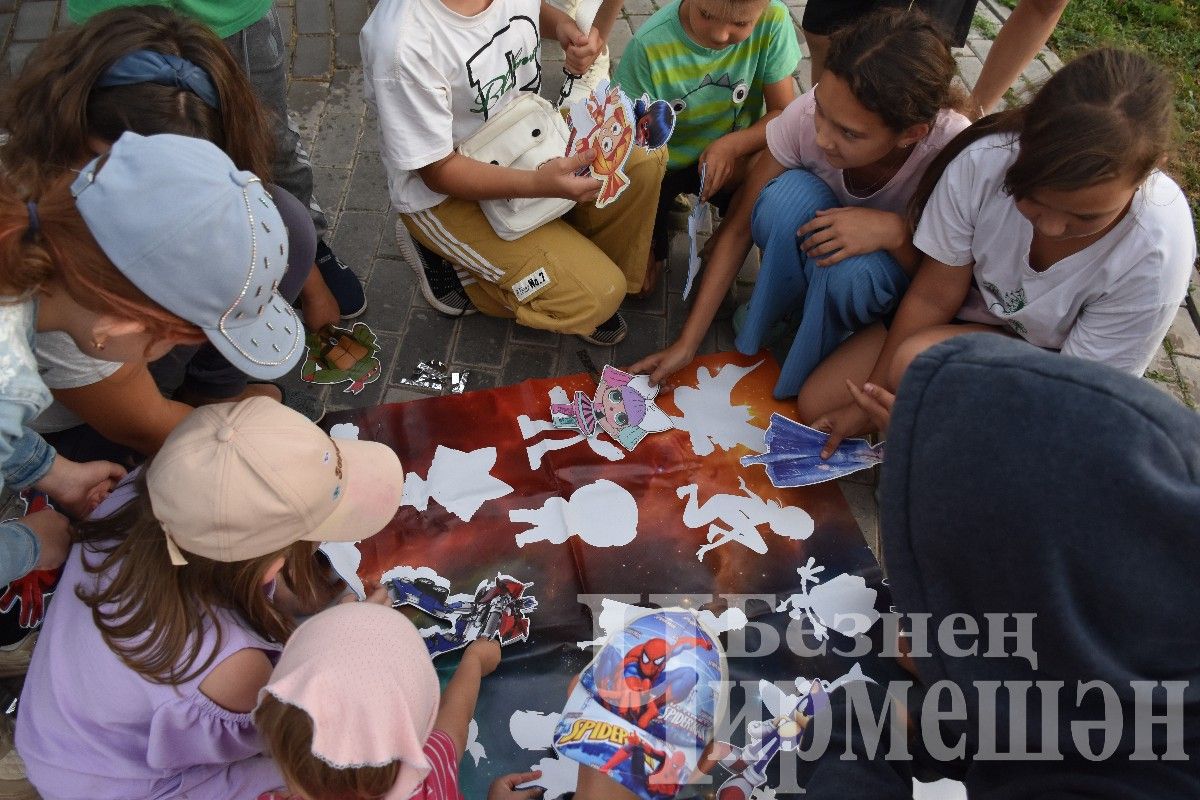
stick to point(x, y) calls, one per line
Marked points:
point(237, 481)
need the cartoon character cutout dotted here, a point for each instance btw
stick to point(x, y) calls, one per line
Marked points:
point(603, 121)
point(336, 354)
point(640, 686)
point(499, 610)
point(623, 407)
point(655, 122)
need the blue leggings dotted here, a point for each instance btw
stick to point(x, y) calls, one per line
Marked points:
point(833, 302)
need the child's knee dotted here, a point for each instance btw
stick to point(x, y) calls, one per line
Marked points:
point(577, 298)
point(646, 167)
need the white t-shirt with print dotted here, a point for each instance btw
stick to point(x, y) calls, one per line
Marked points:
point(1111, 302)
point(792, 140)
point(435, 76)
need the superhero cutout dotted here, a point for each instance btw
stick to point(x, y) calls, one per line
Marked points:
point(655, 122)
point(643, 711)
point(498, 610)
point(336, 354)
point(623, 407)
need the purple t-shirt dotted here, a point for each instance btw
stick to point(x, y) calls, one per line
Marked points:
point(91, 728)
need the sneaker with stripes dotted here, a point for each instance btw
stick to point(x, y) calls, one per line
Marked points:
point(437, 277)
point(611, 331)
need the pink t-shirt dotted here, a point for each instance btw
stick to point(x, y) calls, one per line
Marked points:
point(442, 781)
point(792, 140)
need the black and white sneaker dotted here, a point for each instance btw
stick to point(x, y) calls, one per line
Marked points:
point(436, 276)
point(342, 282)
point(611, 331)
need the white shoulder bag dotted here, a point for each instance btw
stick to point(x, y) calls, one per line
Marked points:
point(526, 133)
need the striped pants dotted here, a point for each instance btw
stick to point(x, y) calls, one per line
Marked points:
point(569, 275)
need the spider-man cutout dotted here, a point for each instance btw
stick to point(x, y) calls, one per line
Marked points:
point(640, 686)
point(31, 591)
point(667, 777)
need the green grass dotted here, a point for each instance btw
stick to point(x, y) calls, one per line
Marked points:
point(1166, 30)
point(985, 26)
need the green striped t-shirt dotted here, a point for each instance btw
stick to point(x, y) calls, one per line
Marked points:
point(226, 17)
point(714, 92)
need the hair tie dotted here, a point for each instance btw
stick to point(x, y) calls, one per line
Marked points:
point(35, 224)
point(148, 66)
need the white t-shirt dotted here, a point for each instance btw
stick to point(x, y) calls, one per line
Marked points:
point(1111, 302)
point(792, 140)
point(64, 366)
point(435, 76)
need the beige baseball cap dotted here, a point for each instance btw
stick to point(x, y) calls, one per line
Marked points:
point(237, 481)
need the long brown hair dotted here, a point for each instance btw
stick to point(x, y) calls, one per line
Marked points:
point(1107, 114)
point(898, 65)
point(287, 732)
point(50, 246)
point(154, 614)
point(52, 108)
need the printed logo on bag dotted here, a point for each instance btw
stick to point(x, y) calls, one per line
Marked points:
point(509, 59)
point(531, 284)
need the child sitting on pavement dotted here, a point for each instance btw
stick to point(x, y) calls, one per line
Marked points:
point(726, 67)
point(436, 71)
point(352, 710)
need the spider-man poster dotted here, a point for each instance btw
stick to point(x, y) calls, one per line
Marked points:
point(492, 486)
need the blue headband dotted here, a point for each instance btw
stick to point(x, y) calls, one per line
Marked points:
point(147, 66)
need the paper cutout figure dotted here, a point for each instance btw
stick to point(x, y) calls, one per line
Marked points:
point(460, 481)
point(655, 122)
point(602, 514)
point(623, 407)
point(604, 121)
point(23, 602)
point(845, 604)
point(559, 776)
point(432, 375)
point(474, 747)
point(794, 455)
point(344, 430)
point(532, 428)
point(644, 709)
point(699, 222)
point(533, 730)
point(336, 354)
point(789, 715)
point(344, 558)
point(498, 610)
point(614, 615)
point(710, 417)
point(742, 515)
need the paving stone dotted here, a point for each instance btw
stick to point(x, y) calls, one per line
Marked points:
point(8, 5)
point(389, 295)
point(522, 334)
point(569, 348)
point(329, 186)
point(481, 379)
point(1036, 73)
point(346, 92)
point(804, 74)
point(312, 16)
point(395, 394)
point(1183, 337)
point(372, 394)
point(981, 47)
point(6, 21)
point(655, 303)
point(1189, 374)
point(647, 334)
point(346, 50)
point(336, 140)
point(969, 68)
point(427, 335)
point(35, 20)
point(1162, 368)
point(357, 239)
point(619, 38)
point(287, 23)
point(369, 141)
point(1052, 61)
point(17, 53)
point(552, 80)
point(349, 16)
point(638, 7)
point(481, 341)
point(312, 57)
point(368, 184)
point(526, 362)
point(306, 104)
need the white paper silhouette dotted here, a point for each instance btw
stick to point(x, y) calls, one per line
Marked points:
point(603, 514)
point(344, 430)
point(615, 615)
point(532, 428)
point(559, 776)
point(845, 604)
point(731, 619)
point(344, 558)
point(474, 747)
point(533, 730)
point(740, 516)
point(711, 419)
point(460, 481)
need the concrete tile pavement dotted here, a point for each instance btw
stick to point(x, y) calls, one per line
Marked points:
point(326, 101)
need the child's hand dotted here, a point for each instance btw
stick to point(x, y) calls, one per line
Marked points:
point(665, 363)
point(78, 488)
point(558, 178)
point(583, 51)
point(719, 160)
point(53, 533)
point(838, 233)
point(875, 400)
point(486, 652)
point(505, 787)
point(849, 420)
